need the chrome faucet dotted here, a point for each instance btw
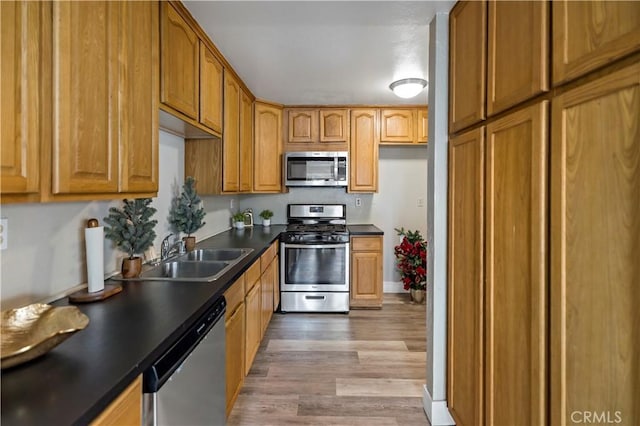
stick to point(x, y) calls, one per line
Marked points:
point(167, 249)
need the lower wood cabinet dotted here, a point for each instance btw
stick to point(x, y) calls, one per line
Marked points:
point(253, 321)
point(267, 282)
point(366, 272)
point(235, 341)
point(125, 410)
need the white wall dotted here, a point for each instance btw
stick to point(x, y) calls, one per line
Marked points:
point(402, 181)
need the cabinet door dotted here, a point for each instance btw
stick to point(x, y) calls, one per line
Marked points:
point(253, 334)
point(465, 281)
point(231, 136)
point(267, 164)
point(125, 410)
point(397, 125)
point(85, 97)
point(423, 125)
point(234, 329)
point(139, 106)
point(211, 77)
point(366, 272)
point(595, 247)
point(467, 64)
point(363, 155)
point(246, 142)
point(518, 51)
point(179, 62)
point(19, 108)
point(333, 125)
point(267, 282)
point(276, 283)
point(303, 126)
point(516, 267)
point(590, 34)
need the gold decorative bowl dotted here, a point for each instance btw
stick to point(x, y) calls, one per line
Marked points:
point(33, 330)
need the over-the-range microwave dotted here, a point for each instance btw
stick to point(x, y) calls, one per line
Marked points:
point(316, 168)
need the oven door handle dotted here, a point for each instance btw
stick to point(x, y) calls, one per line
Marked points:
point(315, 246)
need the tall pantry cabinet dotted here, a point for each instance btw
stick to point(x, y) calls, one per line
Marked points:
point(544, 213)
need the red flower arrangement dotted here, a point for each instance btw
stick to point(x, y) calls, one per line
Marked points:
point(411, 259)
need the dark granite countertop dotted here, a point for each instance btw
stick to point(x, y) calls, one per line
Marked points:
point(78, 379)
point(364, 229)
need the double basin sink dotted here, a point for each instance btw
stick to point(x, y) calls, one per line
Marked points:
point(200, 265)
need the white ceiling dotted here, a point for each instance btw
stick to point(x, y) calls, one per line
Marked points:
point(322, 52)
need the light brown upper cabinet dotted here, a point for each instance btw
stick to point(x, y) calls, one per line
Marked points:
point(316, 129)
point(267, 149)
point(105, 143)
point(363, 152)
point(516, 314)
point(595, 245)
point(231, 136)
point(191, 74)
point(19, 104)
point(465, 350)
point(423, 125)
point(590, 34)
point(211, 78)
point(467, 64)
point(518, 52)
point(303, 126)
point(333, 125)
point(180, 63)
point(403, 126)
point(246, 142)
point(397, 125)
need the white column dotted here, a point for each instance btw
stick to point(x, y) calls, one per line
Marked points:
point(435, 391)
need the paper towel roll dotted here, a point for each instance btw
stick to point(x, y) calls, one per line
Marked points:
point(94, 238)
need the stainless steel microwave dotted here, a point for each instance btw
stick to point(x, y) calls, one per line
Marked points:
point(316, 168)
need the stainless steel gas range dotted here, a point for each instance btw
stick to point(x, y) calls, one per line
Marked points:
point(314, 261)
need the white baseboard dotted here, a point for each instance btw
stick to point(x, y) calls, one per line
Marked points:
point(393, 287)
point(437, 411)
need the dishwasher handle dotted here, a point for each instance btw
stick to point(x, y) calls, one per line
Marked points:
point(162, 369)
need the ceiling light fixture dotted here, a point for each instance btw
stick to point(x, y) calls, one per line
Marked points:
point(408, 87)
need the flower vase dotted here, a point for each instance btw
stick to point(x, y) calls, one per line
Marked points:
point(417, 296)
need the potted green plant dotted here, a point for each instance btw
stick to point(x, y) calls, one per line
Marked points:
point(187, 212)
point(411, 262)
point(238, 220)
point(131, 230)
point(266, 216)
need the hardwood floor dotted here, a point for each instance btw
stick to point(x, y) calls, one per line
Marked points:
point(365, 368)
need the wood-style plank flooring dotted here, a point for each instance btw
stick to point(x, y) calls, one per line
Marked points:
point(364, 368)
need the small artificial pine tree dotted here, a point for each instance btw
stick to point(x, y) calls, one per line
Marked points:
point(130, 227)
point(187, 212)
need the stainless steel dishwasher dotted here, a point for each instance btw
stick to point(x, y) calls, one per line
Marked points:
point(186, 385)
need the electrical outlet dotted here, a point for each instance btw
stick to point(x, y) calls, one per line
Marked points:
point(358, 202)
point(4, 233)
point(232, 204)
point(420, 202)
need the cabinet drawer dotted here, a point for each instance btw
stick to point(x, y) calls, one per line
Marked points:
point(234, 296)
point(268, 256)
point(251, 276)
point(366, 243)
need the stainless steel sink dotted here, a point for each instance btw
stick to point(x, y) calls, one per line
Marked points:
point(200, 265)
point(206, 255)
point(187, 270)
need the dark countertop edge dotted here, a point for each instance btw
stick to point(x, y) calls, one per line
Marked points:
point(364, 229)
point(118, 385)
